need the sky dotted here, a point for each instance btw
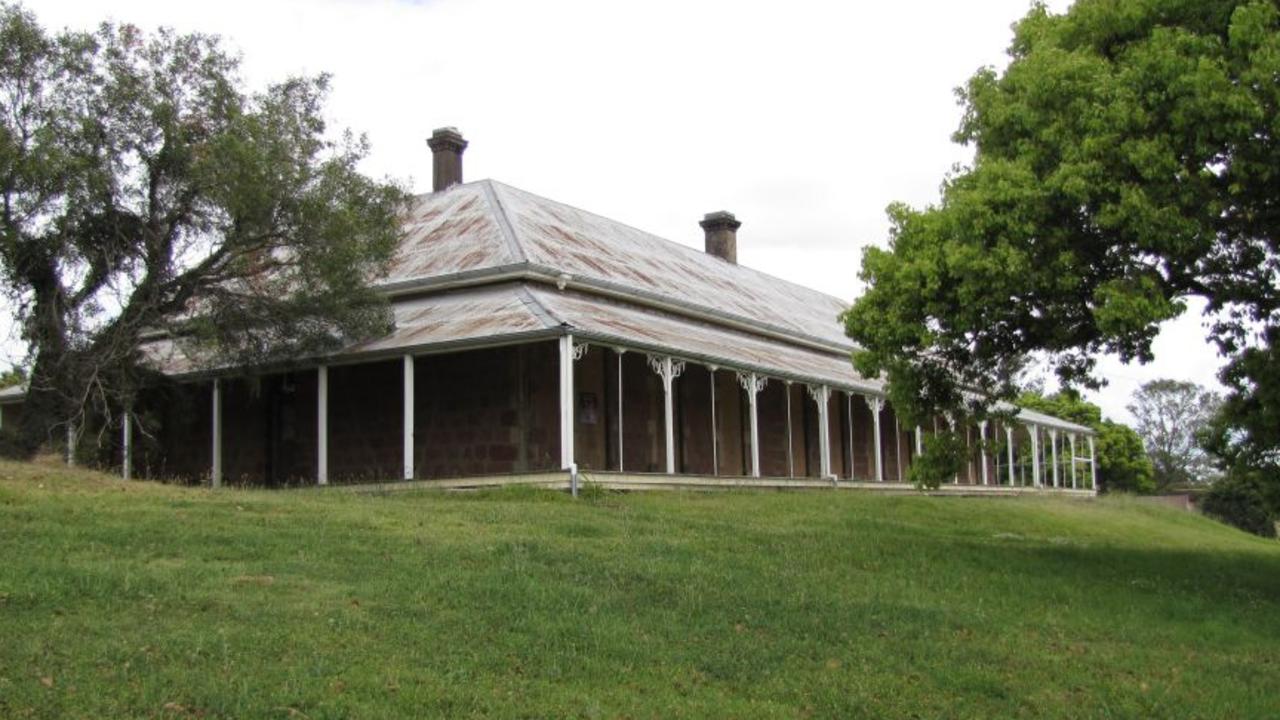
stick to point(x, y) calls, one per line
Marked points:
point(805, 119)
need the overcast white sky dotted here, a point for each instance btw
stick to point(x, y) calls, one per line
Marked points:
point(805, 119)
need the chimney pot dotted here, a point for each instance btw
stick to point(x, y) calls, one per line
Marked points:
point(722, 235)
point(446, 145)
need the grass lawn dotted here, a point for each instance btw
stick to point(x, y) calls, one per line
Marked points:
point(140, 600)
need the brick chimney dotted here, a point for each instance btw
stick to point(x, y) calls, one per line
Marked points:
point(722, 235)
point(446, 145)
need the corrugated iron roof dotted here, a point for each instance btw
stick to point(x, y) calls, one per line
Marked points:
point(488, 225)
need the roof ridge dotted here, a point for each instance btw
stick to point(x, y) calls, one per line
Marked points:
point(504, 221)
point(691, 251)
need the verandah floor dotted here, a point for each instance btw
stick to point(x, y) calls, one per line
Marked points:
point(560, 480)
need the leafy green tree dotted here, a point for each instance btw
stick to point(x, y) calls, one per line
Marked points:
point(1123, 464)
point(144, 192)
point(13, 376)
point(1124, 161)
point(1172, 416)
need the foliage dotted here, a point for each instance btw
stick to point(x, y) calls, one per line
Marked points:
point(944, 456)
point(1124, 161)
point(1245, 433)
point(145, 192)
point(13, 376)
point(1237, 500)
point(1172, 416)
point(1123, 465)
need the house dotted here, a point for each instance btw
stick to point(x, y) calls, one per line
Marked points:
point(535, 342)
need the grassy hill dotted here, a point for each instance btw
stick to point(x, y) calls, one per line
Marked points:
point(139, 600)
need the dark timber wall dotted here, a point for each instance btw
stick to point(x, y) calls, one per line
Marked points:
point(483, 412)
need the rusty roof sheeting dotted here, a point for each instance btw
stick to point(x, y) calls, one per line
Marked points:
point(635, 326)
point(486, 225)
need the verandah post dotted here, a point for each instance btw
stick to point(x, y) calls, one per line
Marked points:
point(982, 450)
point(408, 425)
point(715, 450)
point(322, 425)
point(668, 370)
point(1072, 439)
point(1093, 467)
point(215, 475)
point(1008, 436)
point(821, 395)
point(1053, 447)
point(876, 404)
point(1035, 455)
point(753, 384)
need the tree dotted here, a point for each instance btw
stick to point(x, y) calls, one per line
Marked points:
point(1123, 163)
point(144, 192)
point(1123, 464)
point(12, 376)
point(1172, 416)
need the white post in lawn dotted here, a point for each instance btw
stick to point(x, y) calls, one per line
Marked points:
point(1053, 448)
point(791, 462)
point(1035, 454)
point(668, 370)
point(1093, 467)
point(620, 351)
point(715, 450)
point(1072, 439)
point(322, 425)
point(753, 384)
point(982, 449)
point(1008, 440)
point(876, 404)
point(821, 395)
point(126, 445)
point(71, 443)
point(215, 477)
point(919, 441)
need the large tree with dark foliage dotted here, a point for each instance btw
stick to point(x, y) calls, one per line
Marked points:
point(1127, 160)
point(146, 193)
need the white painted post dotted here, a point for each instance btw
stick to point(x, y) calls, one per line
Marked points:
point(1035, 454)
point(1053, 447)
point(566, 402)
point(1072, 438)
point(715, 441)
point(821, 395)
point(408, 425)
point(126, 445)
point(1093, 467)
point(753, 384)
point(71, 442)
point(1008, 438)
point(322, 425)
point(791, 462)
point(620, 351)
point(668, 370)
point(982, 449)
point(919, 441)
point(876, 404)
point(215, 477)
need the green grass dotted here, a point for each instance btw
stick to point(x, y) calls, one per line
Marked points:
point(141, 600)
